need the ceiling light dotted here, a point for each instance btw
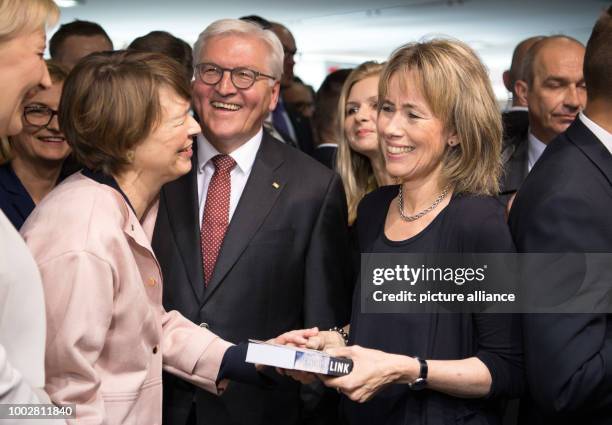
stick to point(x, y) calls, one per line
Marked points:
point(69, 3)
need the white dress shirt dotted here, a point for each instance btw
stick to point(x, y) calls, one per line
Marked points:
point(534, 150)
point(516, 108)
point(602, 134)
point(244, 157)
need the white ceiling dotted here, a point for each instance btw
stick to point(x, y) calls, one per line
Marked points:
point(330, 32)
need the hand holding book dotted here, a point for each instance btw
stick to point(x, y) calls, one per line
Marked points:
point(308, 338)
point(296, 358)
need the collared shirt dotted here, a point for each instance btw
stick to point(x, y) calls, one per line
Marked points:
point(602, 134)
point(516, 108)
point(244, 157)
point(534, 150)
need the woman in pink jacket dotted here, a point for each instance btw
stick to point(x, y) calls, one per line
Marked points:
point(126, 115)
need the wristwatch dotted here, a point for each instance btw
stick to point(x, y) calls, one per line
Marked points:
point(421, 381)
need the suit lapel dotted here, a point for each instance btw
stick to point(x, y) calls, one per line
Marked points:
point(258, 198)
point(592, 147)
point(183, 214)
point(515, 158)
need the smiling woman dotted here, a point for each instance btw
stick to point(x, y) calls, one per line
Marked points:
point(22, 45)
point(440, 132)
point(126, 115)
point(360, 162)
point(37, 153)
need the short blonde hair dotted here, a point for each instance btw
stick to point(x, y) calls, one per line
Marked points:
point(354, 168)
point(111, 103)
point(457, 88)
point(23, 16)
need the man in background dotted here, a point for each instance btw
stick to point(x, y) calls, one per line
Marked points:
point(553, 89)
point(293, 126)
point(515, 118)
point(299, 98)
point(77, 39)
point(327, 128)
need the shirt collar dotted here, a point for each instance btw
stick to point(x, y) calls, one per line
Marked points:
point(534, 150)
point(602, 134)
point(244, 155)
point(517, 108)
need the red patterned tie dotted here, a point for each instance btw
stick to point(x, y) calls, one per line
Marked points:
point(216, 213)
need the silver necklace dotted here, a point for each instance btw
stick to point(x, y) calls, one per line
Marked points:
point(420, 213)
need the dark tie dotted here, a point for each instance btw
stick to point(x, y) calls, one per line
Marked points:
point(216, 213)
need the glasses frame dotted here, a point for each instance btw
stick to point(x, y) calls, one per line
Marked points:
point(232, 71)
point(39, 126)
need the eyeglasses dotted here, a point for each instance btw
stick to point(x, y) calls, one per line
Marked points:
point(38, 115)
point(242, 78)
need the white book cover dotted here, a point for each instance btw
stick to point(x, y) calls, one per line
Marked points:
point(287, 357)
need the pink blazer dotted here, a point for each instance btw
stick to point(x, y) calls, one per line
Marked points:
point(108, 336)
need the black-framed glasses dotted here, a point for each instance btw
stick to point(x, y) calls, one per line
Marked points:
point(242, 78)
point(38, 115)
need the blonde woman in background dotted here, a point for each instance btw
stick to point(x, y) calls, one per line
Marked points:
point(36, 155)
point(22, 309)
point(360, 162)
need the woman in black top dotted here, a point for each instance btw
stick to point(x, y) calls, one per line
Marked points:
point(440, 132)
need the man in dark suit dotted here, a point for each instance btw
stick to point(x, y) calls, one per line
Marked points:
point(564, 207)
point(553, 88)
point(253, 242)
point(325, 118)
point(288, 122)
point(515, 118)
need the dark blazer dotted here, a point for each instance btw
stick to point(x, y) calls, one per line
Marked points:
point(515, 122)
point(303, 130)
point(515, 164)
point(565, 206)
point(284, 264)
point(15, 201)
point(326, 155)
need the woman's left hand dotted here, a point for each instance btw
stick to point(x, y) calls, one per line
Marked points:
point(372, 371)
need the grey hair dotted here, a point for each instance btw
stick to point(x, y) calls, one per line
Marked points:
point(225, 27)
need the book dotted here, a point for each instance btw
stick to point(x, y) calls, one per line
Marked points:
point(304, 359)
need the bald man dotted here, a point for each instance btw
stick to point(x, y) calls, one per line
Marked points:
point(553, 88)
